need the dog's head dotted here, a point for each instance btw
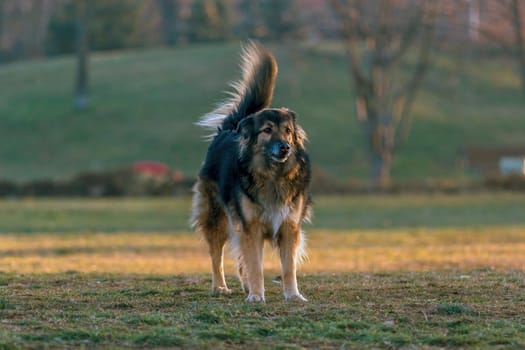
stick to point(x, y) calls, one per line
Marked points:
point(272, 135)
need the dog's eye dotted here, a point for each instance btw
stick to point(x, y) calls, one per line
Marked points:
point(288, 130)
point(267, 130)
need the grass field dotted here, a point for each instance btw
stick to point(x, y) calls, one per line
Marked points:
point(383, 272)
point(144, 104)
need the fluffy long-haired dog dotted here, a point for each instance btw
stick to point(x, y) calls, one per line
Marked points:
point(253, 185)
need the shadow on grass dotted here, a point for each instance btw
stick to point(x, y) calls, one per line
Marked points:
point(116, 249)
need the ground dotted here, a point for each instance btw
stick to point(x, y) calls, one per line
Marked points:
point(406, 272)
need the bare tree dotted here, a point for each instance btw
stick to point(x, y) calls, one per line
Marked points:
point(82, 25)
point(378, 34)
point(505, 26)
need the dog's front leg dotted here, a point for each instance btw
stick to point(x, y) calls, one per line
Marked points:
point(289, 242)
point(251, 244)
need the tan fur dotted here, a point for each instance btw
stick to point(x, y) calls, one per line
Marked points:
point(259, 71)
point(209, 219)
point(288, 240)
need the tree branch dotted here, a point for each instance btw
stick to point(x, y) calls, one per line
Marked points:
point(413, 85)
point(406, 39)
point(348, 17)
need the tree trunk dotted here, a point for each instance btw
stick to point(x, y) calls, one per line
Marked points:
point(385, 171)
point(168, 11)
point(520, 44)
point(379, 132)
point(81, 87)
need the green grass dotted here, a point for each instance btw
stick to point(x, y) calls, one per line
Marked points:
point(336, 213)
point(384, 272)
point(144, 104)
point(483, 310)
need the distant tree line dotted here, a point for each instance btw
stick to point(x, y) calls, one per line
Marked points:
point(30, 28)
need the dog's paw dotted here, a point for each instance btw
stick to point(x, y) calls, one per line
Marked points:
point(254, 298)
point(221, 290)
point(295, 297)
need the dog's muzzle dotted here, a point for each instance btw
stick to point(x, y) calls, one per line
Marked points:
point(280, 151)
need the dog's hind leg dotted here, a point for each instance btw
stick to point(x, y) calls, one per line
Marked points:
point(289, 241)
point(209, 218)
point(216, 240)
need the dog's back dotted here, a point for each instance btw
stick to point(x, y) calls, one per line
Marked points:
point(251, 94)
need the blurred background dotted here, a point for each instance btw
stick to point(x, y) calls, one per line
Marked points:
point(100, 97)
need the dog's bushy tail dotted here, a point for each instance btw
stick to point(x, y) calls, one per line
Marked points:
point(250, 94)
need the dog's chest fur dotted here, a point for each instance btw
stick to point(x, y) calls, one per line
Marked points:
point(271, 208)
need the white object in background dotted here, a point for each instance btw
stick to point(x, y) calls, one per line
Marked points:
point(512, 165)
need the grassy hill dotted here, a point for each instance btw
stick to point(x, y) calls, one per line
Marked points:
point(144, 104)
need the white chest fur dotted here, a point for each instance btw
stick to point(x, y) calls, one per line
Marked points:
point(272, 215)
point(275, 217)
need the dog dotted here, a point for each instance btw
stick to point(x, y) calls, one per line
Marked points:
point(253, 184)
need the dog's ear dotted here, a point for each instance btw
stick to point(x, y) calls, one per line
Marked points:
point(300, 134)
point(246, 126)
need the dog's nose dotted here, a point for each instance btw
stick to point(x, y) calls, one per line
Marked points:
point(284, 147)
point(280, 149)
